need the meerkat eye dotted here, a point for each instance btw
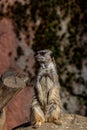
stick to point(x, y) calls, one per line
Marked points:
point(42, 53)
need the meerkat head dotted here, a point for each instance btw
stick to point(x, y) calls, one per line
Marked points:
point(44, 56)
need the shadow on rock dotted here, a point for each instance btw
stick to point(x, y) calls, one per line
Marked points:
point(22, 126)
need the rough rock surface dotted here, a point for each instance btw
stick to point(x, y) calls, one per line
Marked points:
point(17, 111)
point(70, 122)
point(8, 44)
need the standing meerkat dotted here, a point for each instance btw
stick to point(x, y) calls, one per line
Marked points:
point(46, 105)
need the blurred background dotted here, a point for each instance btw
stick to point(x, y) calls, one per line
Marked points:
point(59, 25)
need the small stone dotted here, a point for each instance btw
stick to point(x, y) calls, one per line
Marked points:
point(56, 126)
point(65, 122)
point(52, 127)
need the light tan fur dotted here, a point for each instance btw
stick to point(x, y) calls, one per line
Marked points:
point(46, 104)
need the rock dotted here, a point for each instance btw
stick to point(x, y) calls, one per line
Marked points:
point(8, 44)
point(70, 122)
point(10, 85)
point(11, 79)
point(17, 110)
point(2, 119)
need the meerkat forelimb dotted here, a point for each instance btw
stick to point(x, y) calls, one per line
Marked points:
point(37, 115)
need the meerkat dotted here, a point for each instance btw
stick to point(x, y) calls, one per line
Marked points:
point(46, 105)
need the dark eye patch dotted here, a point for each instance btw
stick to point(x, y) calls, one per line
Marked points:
point(42, 53)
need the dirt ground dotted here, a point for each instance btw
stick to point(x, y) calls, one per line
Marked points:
point(70, 122)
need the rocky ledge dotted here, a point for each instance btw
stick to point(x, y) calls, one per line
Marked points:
point(70, 122)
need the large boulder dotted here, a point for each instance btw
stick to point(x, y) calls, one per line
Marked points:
point(17, 110)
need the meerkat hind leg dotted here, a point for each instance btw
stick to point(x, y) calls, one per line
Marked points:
point(56, 118)
point(37, 117)
point(54, 115)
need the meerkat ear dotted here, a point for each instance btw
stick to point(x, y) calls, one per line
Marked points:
point(52, 57)
point(53, 60)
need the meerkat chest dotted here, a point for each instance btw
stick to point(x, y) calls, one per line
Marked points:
point(46, 82)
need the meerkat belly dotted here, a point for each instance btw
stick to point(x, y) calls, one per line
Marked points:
point(46, 84)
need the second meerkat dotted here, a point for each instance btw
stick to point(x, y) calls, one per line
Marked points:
point(46, 105)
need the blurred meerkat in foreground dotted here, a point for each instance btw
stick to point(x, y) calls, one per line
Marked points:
point(46, 105)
